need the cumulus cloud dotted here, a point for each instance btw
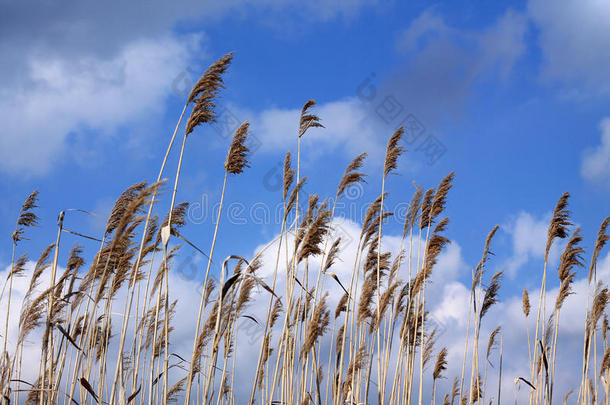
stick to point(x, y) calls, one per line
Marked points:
point(450, 310)
point(186, 288)
point(447, 300)
point(31, 349)
point(529, 235)
point(595, 164)
point(349, 129)
point(528, 238)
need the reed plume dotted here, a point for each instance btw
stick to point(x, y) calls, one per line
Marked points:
point(205, 92)
point(372, 213)
point(288, 176)
point(238, 152)
point(600, 301)
point(314, 235)
point(565, 290)
point(429, 347)
point(275, 313)
point(351, 174)
point(393, 151)
point(293, 197)
point(440, 197)
point(571, 256)
point(560, 221)
point(492, 341)
point(478, 272)
point(600, 242)
point(426, 208)
point(435, 246)
point(414, 207)
point(341, 305)
point(525, 303)
point(332, 254)
point(439, 367)
point(120, 206)
point(31, 316)
point(41, 265)
point(476, 390)
point(26, 216)
point(317, 325)
point(383, 313)
point(18, 268)
point(441, 364)
point(354, 367)
point(491, 294)
point(308, 120)
point(605, 365)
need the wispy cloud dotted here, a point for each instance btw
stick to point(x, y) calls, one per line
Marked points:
point(444, 64)
point(572, 36)
point(595, 164)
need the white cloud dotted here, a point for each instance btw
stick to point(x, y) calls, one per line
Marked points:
point(87, 94)
point(31, 348)
point(451, 310)
point(447, 300)
point(500, 43)
point(503, 43)
point(427, 24)
point(186, 290)
point(454, 305)
point(349, 128)
point(439, 77)
point(446, 63)
point(75, 73)
point(573, 39)
point(529, 236)
point(595, 164)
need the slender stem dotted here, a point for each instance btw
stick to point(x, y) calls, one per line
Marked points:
point(542, 295)
point(189, 382)
point(165, 271)
point(500, 373)
point(139, 257)
point(470, 310)
point(379, 371)
point(50, 325)
point(8, 308)
point(269, 308)
point(8, 304)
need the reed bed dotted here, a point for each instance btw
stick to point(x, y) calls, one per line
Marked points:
point(376, 346)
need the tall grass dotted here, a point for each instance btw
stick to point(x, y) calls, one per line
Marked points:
point(380, 334)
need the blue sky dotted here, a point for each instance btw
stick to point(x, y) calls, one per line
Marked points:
point(515, 94)
point(514, 97)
